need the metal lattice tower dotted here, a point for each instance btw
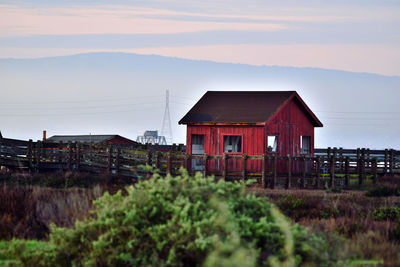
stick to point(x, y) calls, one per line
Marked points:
point(166, 129)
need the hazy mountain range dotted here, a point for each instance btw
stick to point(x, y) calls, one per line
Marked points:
point(104, 93)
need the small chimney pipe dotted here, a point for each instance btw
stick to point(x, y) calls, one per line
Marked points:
point(44, 135)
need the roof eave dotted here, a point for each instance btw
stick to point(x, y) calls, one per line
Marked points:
point(225, 123)
point(281, 107)
point(317, 122)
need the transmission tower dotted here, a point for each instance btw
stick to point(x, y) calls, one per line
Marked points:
point(166, 129)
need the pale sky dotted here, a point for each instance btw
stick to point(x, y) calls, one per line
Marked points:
point(351, 35)
point(124, 93)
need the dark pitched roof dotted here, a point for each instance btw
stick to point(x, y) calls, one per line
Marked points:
point(241, 107)
point(83, 138)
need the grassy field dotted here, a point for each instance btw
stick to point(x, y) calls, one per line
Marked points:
point(367, 227)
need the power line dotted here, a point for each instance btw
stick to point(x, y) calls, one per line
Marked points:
point(74, 114)
point(78, 101)
point(85, 107)
point(180, 103)
point(184, 97)
point(358, 118)
point(356, 125)
point(360, 112)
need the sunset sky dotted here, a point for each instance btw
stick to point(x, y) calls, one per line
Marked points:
point(352, 35)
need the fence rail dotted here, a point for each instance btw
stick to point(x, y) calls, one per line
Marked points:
point(329, 167)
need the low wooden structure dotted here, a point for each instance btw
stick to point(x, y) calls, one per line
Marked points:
point(113, 139)
point(329, 168)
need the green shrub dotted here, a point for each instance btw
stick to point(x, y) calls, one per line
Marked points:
point(383, 191)
point(295, 208)
point(22, 252)
point(326, 212)
point(334, 190)
point(394, 234)
point(386, 213)
point(179, 221)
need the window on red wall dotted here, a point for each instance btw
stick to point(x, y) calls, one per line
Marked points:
point(233, 143)
point(197, 149)
point(305, 144)
point(197, 144)
point(272, 141)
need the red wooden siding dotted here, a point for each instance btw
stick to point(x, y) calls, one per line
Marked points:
point(290, 124)
point(252, 143)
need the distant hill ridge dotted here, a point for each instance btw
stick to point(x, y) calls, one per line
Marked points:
point(124, 93)
point(122, 57)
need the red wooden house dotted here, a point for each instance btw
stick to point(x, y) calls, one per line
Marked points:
point(253, 123)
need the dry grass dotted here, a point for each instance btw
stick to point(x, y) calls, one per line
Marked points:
point(347, 215)
point(27, 211)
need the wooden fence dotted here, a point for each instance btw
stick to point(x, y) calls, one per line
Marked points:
point(329, 167)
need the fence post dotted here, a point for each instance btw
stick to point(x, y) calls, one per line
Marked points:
point(148, 163)
point(77, 155)
point(360, 174)
point(148, 158)
point(157, 159)
point(274, 172)
point(205, 157)
point(264, 171)
point(244, 157)
point(328, 152)
point(29, 155)
point(38, 144)
point(367, 156)
point(60, 154)
point(391, 162)
point(56, 150)
point(109, 159)
point(347, 170)
point(332, 172)
point(224, 166)
point(169, 165)
point(318, 172)
point(341, 158)
point(187, 160)
point(363, 158)
point(289, 171)
point(303, 175)
point(374, 170)
point(69, 155)
point(358, 160)
point(386, 162)
point(117, 160)
point(323, 163)
point(363, 154)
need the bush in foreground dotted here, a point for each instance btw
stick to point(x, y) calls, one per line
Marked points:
point(386, 213)
point(179, 221)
